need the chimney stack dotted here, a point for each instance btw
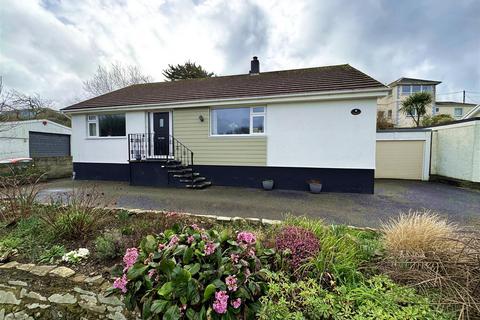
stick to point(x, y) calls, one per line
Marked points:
point(255, 66)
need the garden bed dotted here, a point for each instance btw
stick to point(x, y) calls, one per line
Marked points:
point(174, 265)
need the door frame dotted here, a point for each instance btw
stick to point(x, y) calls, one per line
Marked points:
point(151, 133)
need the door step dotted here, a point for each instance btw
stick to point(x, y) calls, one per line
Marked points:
point(186, 175)
point(182, 170)
point(194, 181)
point(201, 185)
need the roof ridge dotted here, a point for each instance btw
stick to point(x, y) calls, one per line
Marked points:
point(244, 74)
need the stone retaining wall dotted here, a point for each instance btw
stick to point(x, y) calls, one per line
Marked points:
point(29, 291)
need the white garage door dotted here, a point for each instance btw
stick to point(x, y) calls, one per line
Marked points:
point(398, 159)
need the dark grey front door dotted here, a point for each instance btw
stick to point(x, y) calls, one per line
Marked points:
point(161, 133)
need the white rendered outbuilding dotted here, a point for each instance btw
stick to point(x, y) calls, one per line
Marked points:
point(33, 138)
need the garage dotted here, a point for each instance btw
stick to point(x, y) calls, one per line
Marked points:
point(43, 144)
point(403, 155)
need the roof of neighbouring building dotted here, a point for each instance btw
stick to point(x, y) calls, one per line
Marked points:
point(413, 81)
point(444, 103)
point(297, 81)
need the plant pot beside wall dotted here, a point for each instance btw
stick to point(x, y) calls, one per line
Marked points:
point(315, 186)
point(267, 184)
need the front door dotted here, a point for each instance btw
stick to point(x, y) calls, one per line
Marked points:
point(161, 133)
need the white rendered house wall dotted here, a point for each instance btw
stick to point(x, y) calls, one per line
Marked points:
point(104, 149)
point(322, 134)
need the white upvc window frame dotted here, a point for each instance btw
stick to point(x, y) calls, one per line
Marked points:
point(455, 112)
point(93, 119)
point(253, 114)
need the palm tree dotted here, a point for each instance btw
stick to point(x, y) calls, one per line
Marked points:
point(415, 105)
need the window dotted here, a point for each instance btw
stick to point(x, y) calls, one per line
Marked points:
point(409, 89)
point(427, 88)
point(106, 125)
point(258, 120)
point(416, 88)
point(238, 121)
point(458, 112)
point(92, 126)
point(437, 109)
point(389, 114)
point(406, 89)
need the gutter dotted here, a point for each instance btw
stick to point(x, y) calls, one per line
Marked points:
point(309, 96)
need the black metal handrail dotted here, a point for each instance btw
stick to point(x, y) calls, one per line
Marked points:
point(151, 146)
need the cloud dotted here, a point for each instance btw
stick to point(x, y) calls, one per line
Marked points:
point(51, 46)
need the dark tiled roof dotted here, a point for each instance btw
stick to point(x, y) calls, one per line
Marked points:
point(413, 81)
point(340, 77)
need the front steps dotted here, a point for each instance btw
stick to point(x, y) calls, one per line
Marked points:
point(186, 176)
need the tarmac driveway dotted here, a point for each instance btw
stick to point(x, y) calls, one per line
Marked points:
point(390, 198)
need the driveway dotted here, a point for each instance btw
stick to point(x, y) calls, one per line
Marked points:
point(390, 198)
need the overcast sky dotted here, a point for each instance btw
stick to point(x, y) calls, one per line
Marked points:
point(51, 46)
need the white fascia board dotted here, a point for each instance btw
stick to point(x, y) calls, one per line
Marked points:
point(300, 97)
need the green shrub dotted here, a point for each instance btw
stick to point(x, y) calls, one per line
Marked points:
point(197, 273)
point(28, 236)
point(108, 246)
point(53, 254)
point(76, 217)
point(378, 298)
point(342, 250)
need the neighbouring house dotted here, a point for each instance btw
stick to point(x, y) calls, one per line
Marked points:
point(390, 105)
point(455, 109)
point(289, 126)
point(34, 138)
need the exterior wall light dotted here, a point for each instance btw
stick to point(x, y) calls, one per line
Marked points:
point(200, 117)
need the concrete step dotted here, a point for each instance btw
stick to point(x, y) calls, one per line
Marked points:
point(194, 181)
point(200, 185)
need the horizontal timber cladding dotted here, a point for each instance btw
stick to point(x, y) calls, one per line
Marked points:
point(101, 171)
point(194, 134)
point(288, 178)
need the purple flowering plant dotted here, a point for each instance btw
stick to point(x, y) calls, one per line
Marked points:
point(192, 273)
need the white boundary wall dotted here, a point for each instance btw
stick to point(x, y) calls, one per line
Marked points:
point(456, 151)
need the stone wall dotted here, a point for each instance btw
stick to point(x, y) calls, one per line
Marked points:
point(55, 167)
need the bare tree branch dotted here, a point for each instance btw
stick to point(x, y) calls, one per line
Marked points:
point(115, 77)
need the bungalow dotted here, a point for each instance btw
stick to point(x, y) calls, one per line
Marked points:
point(289, 126)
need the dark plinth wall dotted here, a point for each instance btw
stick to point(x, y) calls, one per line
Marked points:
point(288, 178)
point(154, 174)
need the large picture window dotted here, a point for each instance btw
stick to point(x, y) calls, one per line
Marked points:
point(238, 121)
point(106, 125)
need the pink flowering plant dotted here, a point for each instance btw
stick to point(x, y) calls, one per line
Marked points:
point(193, 273)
